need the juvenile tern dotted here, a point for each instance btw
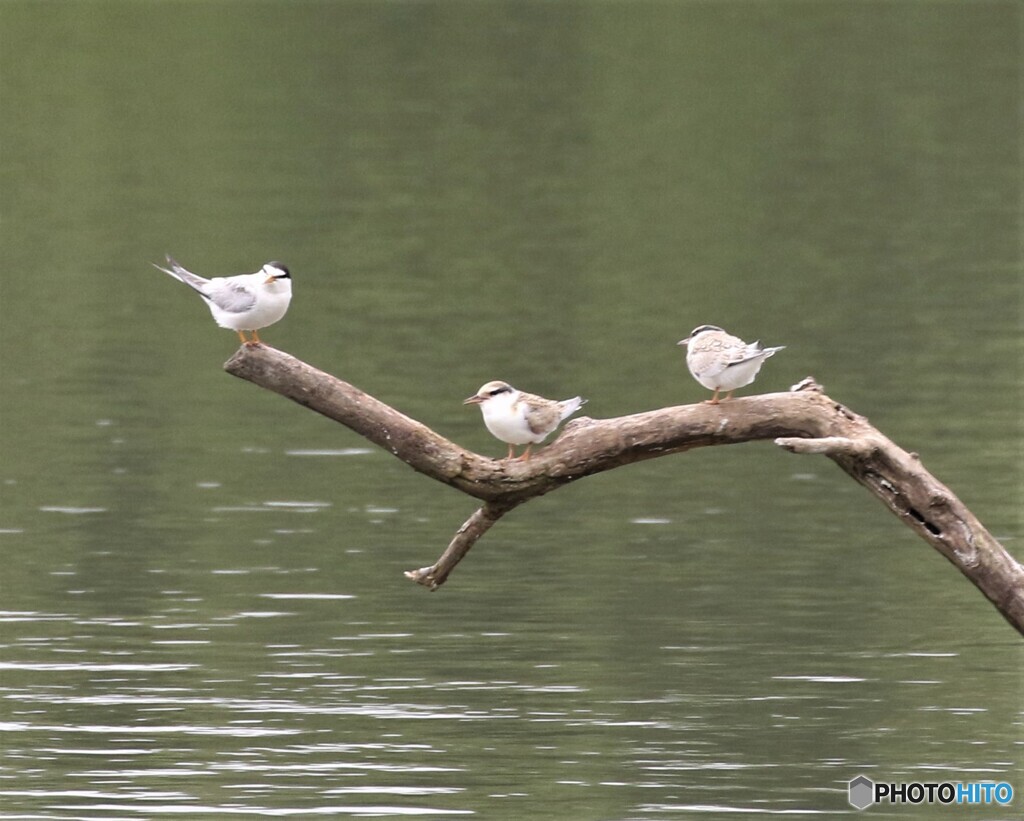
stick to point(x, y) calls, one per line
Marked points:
point(519, 418)
point(722, 362)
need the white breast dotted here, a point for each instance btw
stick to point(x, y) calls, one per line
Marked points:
point(271, 304)
point(506, 420)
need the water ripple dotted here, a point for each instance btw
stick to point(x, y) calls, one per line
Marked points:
point(196, 810)
point(93, 667)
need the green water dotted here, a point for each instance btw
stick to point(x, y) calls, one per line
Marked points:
point(204, 611)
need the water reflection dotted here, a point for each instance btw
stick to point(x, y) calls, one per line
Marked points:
point(291, 727)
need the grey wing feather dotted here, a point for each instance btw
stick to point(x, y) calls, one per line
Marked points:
point(233, 297)
point(752, 351)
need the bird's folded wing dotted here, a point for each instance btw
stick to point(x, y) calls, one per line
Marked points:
point(541, 418)
point(738, 356)
point(232, 297)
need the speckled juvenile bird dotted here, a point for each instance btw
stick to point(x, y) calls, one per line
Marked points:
point(246, 302)
point(518, 418)
point(722, 362)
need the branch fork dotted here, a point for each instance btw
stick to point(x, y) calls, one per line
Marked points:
point(802, 421)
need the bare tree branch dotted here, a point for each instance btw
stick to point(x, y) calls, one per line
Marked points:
point(465, 537)
point(803, 421)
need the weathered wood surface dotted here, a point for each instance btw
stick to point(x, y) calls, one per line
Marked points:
point(804, 420)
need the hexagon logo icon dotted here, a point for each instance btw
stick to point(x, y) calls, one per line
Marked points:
point(862, 792)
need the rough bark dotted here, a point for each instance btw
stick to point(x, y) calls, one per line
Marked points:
point(803, 420)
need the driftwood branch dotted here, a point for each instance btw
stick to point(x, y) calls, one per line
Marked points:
point(465, 537)
point(803, 420)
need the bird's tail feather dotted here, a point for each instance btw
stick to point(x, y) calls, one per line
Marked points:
point(179, 272)
point(570, 406)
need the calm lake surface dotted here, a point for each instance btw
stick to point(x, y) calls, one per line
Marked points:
point(203, 609)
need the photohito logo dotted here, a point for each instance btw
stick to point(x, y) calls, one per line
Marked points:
point(863, 792)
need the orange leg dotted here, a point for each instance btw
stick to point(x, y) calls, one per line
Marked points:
point(511, 452)
point(241, 335)
point(256, 338)
point(728, 395)
point(526, 454)
point(714, 399)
